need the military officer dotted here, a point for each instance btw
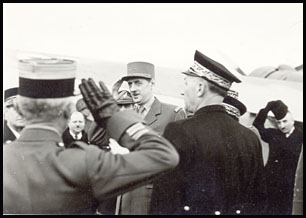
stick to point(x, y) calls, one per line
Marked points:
point(141, 79)
point(40, 176)
point(285, 143)
point(13, 122)
point(221, 168)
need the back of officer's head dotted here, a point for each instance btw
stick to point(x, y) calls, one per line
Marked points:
point(45, 89)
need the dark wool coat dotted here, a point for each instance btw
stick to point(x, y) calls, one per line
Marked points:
point(281, 165)
point(220, 169)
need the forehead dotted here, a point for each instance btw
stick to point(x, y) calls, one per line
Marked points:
point(76, 116)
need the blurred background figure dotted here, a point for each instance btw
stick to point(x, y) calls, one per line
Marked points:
point(82, 107)
point(13, 122)
point(285, 143)
point(75, 130)
point(123, 97)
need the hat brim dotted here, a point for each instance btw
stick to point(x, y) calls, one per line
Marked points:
point(125, 78)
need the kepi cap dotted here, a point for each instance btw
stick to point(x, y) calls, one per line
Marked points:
point(232, 105)
point(212, 71)
point(46, 78)
point(140, 69)
point(80, 105)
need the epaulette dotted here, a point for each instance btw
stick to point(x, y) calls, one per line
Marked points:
point(177, 109)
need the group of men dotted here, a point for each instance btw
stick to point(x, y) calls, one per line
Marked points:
point(206, 164)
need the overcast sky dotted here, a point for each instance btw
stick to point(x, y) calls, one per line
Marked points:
point(252, 35)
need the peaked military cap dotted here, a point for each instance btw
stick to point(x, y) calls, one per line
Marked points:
point(46, 78)
point(279, 109)
point(232, 105)
point(80, 105)
point(9, 96)
point(212, 71)
point(124, 98)
point(140, 69)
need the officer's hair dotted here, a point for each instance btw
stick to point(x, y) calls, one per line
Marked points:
point(42, 109)
point(216, 89)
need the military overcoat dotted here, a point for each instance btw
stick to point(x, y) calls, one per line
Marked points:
point(220, 169)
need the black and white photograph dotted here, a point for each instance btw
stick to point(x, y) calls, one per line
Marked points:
point(153, 108)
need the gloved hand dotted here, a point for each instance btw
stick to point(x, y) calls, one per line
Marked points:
point(99, 101)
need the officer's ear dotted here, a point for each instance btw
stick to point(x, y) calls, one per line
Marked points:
point(201, 87)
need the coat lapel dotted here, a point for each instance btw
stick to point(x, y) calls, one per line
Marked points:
point(155, 110)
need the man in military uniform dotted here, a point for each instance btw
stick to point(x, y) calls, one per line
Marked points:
point(141, 79)
point(285, 145)
point(221, 167)
point(13, 122)
point(40, 176)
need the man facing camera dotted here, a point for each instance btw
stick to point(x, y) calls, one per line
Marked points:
point(75, 130)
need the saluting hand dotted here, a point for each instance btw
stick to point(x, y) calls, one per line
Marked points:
point(98, 100)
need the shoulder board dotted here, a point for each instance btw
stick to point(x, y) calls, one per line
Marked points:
point(177, 109)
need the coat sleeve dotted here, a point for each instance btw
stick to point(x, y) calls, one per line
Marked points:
point(111, 175)
point(265, 133)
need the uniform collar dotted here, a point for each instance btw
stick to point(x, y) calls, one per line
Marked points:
point(148, 105)
point(40, 132)
point(289, 133)
point(211, 108)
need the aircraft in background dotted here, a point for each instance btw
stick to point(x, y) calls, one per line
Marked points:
point(256, 89)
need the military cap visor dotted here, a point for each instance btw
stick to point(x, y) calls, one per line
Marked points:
point(212, 71)
point(10, 96)
point(10, 93)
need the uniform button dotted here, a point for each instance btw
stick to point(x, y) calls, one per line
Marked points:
point(297, 190)
point(217, 212)
point(276, 161)
point(186, 208)
point(60, 144)
point(238, 211)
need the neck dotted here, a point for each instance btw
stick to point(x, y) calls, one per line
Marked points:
point(210, 100)
point(55, 124)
